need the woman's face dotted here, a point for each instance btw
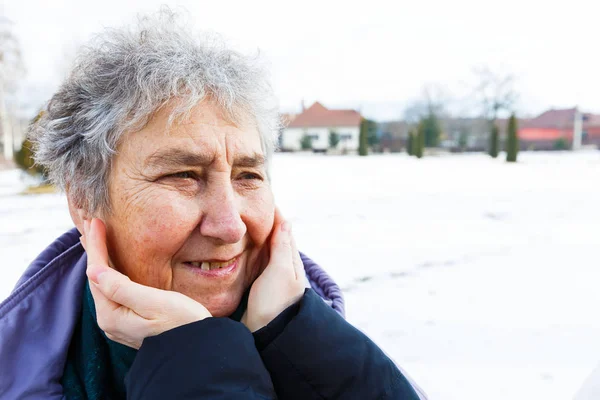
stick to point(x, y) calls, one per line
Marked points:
point(191, 208)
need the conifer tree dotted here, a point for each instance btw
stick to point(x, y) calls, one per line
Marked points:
point(493, 149)
point(512, 140)
point(420, 140)
point(363, 144)
point(410, 144)
point(306, 142)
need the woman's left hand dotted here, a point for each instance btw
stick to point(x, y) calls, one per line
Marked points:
point(127, 311)
point(281, 284)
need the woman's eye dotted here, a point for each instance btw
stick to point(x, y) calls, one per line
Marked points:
point(250, 175)
point(183, 175)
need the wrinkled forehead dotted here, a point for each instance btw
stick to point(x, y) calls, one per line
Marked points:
point(199, 137)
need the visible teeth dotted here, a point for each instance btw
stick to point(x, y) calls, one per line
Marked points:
point(218, 265)
point(209, 266)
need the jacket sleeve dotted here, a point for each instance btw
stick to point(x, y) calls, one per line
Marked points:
point(215, 358)
point(311, 352)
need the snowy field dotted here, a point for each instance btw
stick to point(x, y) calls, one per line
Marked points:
point(480, 278)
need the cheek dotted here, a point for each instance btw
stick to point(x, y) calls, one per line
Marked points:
point(258, 216)
point(147, 234)
point(166, 224)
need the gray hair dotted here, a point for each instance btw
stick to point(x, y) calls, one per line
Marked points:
point(122, 77)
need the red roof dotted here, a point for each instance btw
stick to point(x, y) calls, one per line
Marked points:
point(318, 115)
point(287, 118)
point(561, 119)
point(557, 119)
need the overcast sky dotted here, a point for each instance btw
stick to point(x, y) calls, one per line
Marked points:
point(373, 55)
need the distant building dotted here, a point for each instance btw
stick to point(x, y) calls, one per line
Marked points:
point(543, 131)
point(285, 119)
point(393, 136)
point(466, 134)
point(591, 130)
point(457, 134)
point(317, 122)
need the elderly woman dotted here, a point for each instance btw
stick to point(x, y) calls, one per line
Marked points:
point(181, 278)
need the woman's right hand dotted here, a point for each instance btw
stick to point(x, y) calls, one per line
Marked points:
point(127, 311)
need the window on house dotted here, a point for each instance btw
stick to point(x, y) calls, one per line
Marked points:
point(345, 136)
point(313, 136)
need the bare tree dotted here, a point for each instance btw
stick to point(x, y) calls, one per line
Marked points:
point(11, 71)
point(494, 92)
point(431, 107)
point(434, 100)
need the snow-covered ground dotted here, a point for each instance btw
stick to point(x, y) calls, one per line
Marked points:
point(479, 277)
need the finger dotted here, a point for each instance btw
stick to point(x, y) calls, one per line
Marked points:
point(97, 253)
point(281, 246)
point(104, 306)
point(277, 220)
point(143, 300)
point(97, 261)
point(117, 321)
point(278, 217)
point(297, 261)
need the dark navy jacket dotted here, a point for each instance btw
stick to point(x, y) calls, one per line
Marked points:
point(308, 352)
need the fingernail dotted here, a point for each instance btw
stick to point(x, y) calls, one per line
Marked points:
point(286, 227)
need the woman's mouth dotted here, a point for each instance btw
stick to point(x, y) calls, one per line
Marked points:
point(214, 268)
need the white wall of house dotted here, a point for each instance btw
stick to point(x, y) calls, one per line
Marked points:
point(290, 139)
point(349, 137)
point(320, 138)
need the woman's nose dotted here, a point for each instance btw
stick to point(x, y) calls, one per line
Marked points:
point(222, 220)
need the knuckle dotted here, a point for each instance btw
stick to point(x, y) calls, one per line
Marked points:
point(285, 245)
point(113, 290)
point(153, 328)
point(106, 324)
point(111, 326)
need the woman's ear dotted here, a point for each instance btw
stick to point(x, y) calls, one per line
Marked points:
point(78, 215)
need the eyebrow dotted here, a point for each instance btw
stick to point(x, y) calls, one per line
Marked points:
point(253, 161)
point(179, 158)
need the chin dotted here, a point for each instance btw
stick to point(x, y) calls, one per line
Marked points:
point(221, 305)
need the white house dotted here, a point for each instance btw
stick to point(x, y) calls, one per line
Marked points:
point(317, 122)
